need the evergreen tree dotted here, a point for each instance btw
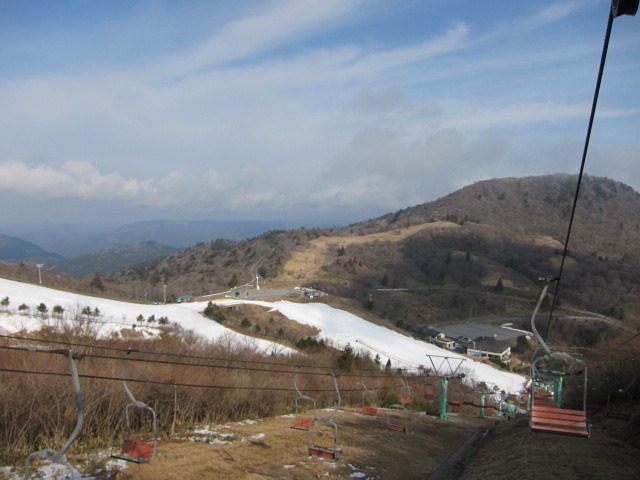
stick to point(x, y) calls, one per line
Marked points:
point(42, 309)
point(208, 311)
point(96, 283)
point(347, 358)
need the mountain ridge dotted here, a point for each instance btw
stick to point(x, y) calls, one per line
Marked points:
point(449, 257)
point(18, 249)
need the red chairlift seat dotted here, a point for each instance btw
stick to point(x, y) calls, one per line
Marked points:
point(369, 411)
point(303, 423)
point(559, 420)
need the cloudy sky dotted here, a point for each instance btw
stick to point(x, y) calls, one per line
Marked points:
point(121, 111)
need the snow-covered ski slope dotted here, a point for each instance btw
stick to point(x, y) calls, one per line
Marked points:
point(336, 325)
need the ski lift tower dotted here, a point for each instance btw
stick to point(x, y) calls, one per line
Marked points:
point(40, 265)
point(446, 368)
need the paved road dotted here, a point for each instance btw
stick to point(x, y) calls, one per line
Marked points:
point(480, 328)
point(247, 292)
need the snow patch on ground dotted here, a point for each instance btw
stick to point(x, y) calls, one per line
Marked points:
point(339, 326)
point(344, 328)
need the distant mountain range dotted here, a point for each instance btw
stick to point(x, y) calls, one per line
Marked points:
point(73, 240)
point(17, 249)
point(81, 250)
point(108, 260)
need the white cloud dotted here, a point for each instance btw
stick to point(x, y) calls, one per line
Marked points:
point(473, 116)
point(83, 180)
point(269, 110)
point(282, 21)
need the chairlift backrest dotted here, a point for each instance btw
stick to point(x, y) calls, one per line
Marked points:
point(58, 456)
point(338, 403)
point(302, 396)
point(366, 390)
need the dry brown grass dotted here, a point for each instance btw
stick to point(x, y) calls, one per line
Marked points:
point(304, 265)
point(271, 449)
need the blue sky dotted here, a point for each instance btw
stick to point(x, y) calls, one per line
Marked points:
point(318, 111)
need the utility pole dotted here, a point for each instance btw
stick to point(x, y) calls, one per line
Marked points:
point(40, 265)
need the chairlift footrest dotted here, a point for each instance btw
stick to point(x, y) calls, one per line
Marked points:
point(397, 428)
point(325, 452)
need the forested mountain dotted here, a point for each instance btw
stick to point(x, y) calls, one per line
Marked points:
point(607, 219)
point(478, 251)
point(108, 260)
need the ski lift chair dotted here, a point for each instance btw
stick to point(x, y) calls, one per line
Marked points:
point(302, 423)
point(59, 456)
point(484, 390)
point(548, 371)
point(312, 434)
point(366, 408)
point(430, 392)
point(455, 400)
point(406, 399)
point(134, 449)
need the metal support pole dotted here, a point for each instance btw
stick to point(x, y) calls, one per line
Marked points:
point(557, 392)
point(443, 399)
